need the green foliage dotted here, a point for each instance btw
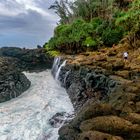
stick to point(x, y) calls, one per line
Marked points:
point(53, 53)
point(77, 35)
point(95, 23)
point(70, 35)
point(112, 35)
point(89, 42)
point(130, 20)
point(52, 44)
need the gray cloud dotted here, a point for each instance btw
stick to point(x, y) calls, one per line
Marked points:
point(24, 24)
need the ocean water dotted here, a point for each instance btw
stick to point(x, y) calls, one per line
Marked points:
point(27, 116)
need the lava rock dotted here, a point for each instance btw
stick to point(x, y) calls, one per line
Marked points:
point(12, 81)
point(29, 59)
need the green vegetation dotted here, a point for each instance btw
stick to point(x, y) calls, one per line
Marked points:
point(88, 24)
point(130, 20)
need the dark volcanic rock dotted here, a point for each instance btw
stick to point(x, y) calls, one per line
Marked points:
point(57, 119)
point(60, 118)
point(29, 59)
point(15, 60)
point(84, 83)
point(12, 81)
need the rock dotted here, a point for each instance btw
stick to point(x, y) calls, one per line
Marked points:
point(12, 81)
point(101, 58)
point(111, 124)
point(125, 74)
point(133, 117)
point(138, 107)
point(105, 94)
point(29, 59)
point(122, 101)
point(90, 110)
point(95, 135)
point(82, 83)
point(113, 52)
point(57, 119)
point(118, 65)
point(60, 118)
point(67, 132)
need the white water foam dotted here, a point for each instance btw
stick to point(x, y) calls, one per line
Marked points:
point(56, 64)
point(59, 69)
point(26, 117)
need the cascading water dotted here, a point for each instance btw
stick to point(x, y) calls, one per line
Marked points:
point(56, 65)
point(59, 69)
point(27, 116)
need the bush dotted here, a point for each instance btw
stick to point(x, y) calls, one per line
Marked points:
point(89, 42)
point(54, 53)
point(96, 22)
point(112, 36)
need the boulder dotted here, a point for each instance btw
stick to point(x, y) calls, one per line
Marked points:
point(95, 135)
point(111, 124)
point(12, 81)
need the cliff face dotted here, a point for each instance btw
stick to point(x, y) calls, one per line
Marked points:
point(12, 81)
point(105, 92)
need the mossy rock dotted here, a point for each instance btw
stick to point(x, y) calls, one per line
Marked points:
point(95, 135)
point(90, 110)
point(138, 107)
point(123, 73)
point(118, 65)
point(133, 117)
point(111, 124)
point(67, 132)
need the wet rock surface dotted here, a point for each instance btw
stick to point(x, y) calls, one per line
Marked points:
point(60, 118)
point(83, 84)
point(57, 119)
point(12, 81)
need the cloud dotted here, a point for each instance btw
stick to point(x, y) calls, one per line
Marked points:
point(26, 21)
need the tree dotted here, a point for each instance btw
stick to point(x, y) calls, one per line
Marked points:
point(62, 10)
point(130, 20)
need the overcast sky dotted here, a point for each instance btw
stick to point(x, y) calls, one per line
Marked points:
point(26, 23)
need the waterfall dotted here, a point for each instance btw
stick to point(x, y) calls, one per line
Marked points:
point(59, 69)
point(57, 66)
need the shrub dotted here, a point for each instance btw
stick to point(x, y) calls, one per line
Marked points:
point(89, 42)
point(112, 36)
point(53, 53)
point(96, 22)
point(130, 20)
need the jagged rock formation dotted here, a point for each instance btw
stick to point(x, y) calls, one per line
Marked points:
point(12, 81)
point(29, 59)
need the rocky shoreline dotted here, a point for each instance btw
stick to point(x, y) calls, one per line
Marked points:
point(13, 61)
point(29, 59)
point(104, 90)
point(105, 97)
